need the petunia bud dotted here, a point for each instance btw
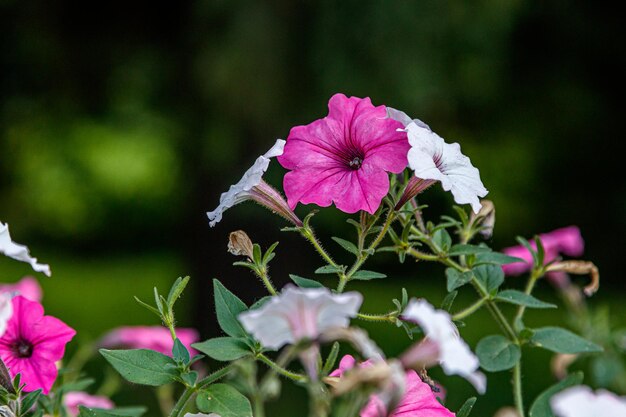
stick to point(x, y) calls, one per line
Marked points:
point(486, 218)
point(507, 412)
point(239, 244)
point(579, 268)
point(412, 189)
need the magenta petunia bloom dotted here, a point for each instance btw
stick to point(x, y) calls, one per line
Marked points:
point(149, 337)
point(345, 157)
point(418, 398)
point(28, 287)
point(567, 241)
point(33, 343)
point(73, 399)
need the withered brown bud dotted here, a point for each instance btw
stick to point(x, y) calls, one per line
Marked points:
point(560, 362)
point(506, 412)
point(579, 268)
point(486, 218)
point(239, 244)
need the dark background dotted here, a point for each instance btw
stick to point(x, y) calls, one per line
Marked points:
point(122, 122)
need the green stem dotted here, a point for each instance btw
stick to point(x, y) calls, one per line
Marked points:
point(279, 369)
point(308, 234)
point(517, 388)
point(180, 405)
point(258, 406)
point(469, 310)
point(211, 378)
point(388, 317)
point(262, 273)
point(364, 255)
point(534, 276)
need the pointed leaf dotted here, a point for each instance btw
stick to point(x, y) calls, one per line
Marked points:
point(560, 340)
point(224, 400)
point(223, 348)
point(142, 366)
point(490, 276)
point(228, 306)
point(466, 408)
point(462, 249)
point(365, 275)
point(349, 246)
point(305, 282)
point(495, 258)
point(541, 407)
point(522, 299)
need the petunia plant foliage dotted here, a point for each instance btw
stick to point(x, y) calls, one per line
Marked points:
point(373, 164)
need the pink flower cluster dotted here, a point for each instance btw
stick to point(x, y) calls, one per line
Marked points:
point(567, 241)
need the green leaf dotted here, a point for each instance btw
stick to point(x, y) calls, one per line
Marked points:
point(496, 258)
point(462, 249)
point(180, 352)
point(490, 276)
point(327, 269)
point(223, 348)
point(466, 408)
point(497, 353)
point(260, 302)
point(269, 254)
point(456, 279)
point(256, 253)
point(442, 239)
point(560, 340)
point(365, 275)
point(541, 405)
point(30, 399)
point(447, 302)
point(349, 246)
point(177, 289)
point(141, 366)
point(305, 282)
point(522, 299)
point(223, 400)
point(116, 412)
point(228, 306)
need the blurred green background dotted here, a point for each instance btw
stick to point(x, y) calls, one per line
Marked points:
point(122, 122)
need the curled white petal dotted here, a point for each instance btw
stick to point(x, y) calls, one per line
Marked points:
point(455, 356)
point(581, 401)
point(432, 158)
point(6, 311)
point(19, 252)
point(300, 313)
point(201, 415)
point(239, 192)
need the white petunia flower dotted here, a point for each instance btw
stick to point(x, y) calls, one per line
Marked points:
point(18, 252)
point(6, 311)
point(432, 159)
point(252, 187)
point(454, 355)
point(581, 401)
point(300, 313)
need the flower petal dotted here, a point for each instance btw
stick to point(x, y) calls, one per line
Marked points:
point(19, 252)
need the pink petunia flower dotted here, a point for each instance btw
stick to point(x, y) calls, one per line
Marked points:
point(19, 252)
point(567, 241)
point(149, 337)
point(345, 157)
point(73, 399)
point(28, 287)
point(418, 398)
point(33, 343)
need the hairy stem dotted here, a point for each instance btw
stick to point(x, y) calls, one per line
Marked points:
point(469, 310)
point(517, 388)
point(387, 317)
point(279, 369)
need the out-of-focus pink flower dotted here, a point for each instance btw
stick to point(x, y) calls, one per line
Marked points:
point(581, 401)
point(443, 343)
point(19, 252)
point(300, 313)
point(149, 337)
point(418, 398)
point(27, 287)
point(567, 241)
point(73, 399)
point(345, 157)
point(33, 343)
point(6, 311)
